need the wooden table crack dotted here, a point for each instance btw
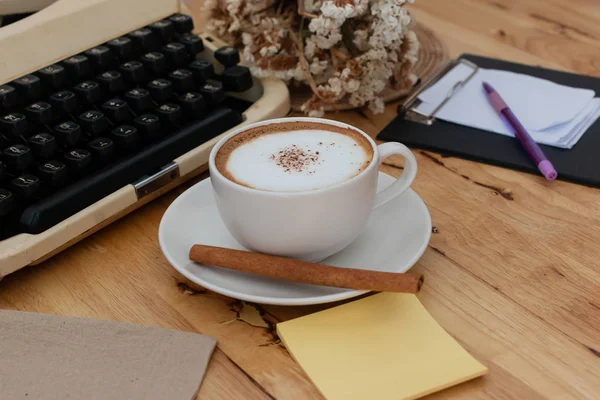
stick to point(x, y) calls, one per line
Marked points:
point(505, 193)
point(251, 379)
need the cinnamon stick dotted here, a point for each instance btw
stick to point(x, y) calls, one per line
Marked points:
point(306, 272)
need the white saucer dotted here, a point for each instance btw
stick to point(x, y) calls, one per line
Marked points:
point(394, 239)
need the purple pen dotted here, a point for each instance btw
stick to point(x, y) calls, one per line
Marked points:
point(530, 146)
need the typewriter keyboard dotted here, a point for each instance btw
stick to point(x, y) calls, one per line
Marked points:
point(76, 131)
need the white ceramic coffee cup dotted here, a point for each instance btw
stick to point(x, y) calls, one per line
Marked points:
point(313, 224)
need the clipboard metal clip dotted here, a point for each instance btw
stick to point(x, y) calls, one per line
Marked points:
point(408, 108)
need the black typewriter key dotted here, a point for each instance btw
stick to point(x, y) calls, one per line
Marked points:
point(68, 133)
point(182, 80)
point(164, 29)
point(117, 110)
point(102, 149)
point(8, 97)
point(7, 202)
point(78, 67)
point(13, 125)
point(213, 92)
point(123, 48)
point(25, 186)
point(228, 56)
point(40, 112)
point(53, 76)
point(193, 104)
point(126, 137)
point(155, 63)
point(145, 38)
point(170, 115)
point(29, 87)
point(101, 57)
point(43, 145)
point(139, 100)
point(161, 90)
point(203, 70)
point(148, 125)
point(78, 161)
point(4, 142)
point(183, 23)
point(112, 81)
point(133, 71)
point(88, 92)
point(53, 173)
point(192, 43)
point(64, 102)
point(94, 122)
point(17, 157)
point(236, 79)
point(176, 54)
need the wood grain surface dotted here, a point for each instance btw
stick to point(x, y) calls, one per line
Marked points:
point(512, 271)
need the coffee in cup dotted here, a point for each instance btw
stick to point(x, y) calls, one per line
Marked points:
point(294, 156)
point(301, 187)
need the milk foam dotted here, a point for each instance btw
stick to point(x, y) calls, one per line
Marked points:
point(297, 160)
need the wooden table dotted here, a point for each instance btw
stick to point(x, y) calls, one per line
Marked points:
point(512, 270)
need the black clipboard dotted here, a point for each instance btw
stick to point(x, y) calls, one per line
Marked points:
point(581, 164)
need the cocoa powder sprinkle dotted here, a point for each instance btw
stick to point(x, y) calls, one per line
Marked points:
point(295, 159)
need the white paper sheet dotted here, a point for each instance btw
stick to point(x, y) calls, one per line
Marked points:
point(553, 114)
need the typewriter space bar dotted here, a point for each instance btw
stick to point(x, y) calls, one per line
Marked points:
point(74, 198)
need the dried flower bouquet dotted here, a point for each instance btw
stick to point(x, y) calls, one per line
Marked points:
point(344, 50)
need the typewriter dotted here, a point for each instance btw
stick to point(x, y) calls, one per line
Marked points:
point(104, 106)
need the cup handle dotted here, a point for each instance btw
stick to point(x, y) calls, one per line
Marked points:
point(407, 177)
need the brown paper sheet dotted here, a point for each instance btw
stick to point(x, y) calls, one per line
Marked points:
point(55, 358)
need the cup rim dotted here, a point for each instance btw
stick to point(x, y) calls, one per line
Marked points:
point(214, 170)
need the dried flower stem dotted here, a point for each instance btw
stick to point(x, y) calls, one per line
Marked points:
point(302, 12)
point(304, 63)
point(336, 53)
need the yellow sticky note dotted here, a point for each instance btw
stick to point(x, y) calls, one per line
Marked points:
point(384, 347)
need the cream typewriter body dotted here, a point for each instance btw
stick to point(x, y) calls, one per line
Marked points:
point(34, 224)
